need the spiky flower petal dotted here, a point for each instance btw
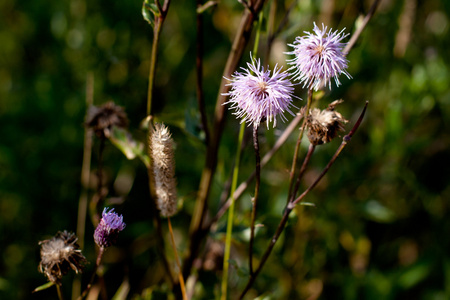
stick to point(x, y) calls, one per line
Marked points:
point(319, 57)
point(258, 96)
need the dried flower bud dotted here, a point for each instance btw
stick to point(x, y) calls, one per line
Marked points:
point(60, 254)
point(163, 169)
point(103, 118)
point(108, 229)
point(323, 125)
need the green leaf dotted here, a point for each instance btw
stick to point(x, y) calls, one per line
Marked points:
point(44, 286)
point(150, 11)
point(131, 148)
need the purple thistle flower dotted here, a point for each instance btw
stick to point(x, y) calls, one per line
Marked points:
point(258, 96)
point(108, 229)
point(319, 57)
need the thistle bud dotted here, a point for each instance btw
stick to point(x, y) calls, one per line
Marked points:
point(324, 125)
point(163, 170)
point(60, 254)
point(108, 229)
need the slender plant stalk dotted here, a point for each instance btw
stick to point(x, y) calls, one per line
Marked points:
point(291, 205)
point(243, 186)
point(85, 177)
point(364, 23)
point(226, 258)
point(159, 20)
point(177, 260)
point(299, 141)
point(94, 273)
point(197, 232)
point(199, 67)
point(302, 170)
point(234, 183)
point(59, 292)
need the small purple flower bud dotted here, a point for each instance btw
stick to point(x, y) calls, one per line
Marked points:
point(108, 229)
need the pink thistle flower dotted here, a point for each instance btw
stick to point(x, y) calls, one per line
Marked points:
point(258, 96)
point(319, 57)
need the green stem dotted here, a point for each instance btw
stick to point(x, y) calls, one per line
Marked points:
point(224, 285)
point(153, 58)
point(58, 290)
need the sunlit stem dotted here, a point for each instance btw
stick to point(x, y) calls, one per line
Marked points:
point(58, 290)
point(224, 284)
point(177, 260)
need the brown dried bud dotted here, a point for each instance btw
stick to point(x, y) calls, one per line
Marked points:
point(324, 125)
point(163, 170)
point(102, 118)
point(60, 254)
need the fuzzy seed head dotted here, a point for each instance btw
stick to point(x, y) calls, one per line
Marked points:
point(163, 169)
point(60, 254)
point(324, 125)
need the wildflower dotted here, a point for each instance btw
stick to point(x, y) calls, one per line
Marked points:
point(108, 229)
point(103, 118)
point(323, 125)
point(163, 168)
point(60, 254)
point(258, 96)
point(319, 57)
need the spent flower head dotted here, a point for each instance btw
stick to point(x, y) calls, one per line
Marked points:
point(60, 254)
point(108, 229)
point(258, 96)
point(103, 118)
point(319, 57)
point(324, 125)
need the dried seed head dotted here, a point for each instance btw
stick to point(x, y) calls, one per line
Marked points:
point(60, 254)
point(324, 125)
point(163, 169)
point(108, 229)
point(102, 118)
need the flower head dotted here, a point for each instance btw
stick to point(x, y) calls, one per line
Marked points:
point(108, 229)
point(102, 118)
point(163, 167)
point(259, 96)
point(324, 125)
point(319, 57)
point(60, 254)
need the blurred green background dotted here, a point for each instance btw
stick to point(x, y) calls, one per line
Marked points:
point(380, 227)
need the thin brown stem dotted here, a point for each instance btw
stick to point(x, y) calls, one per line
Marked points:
point(302, 170)
point(85, 177)
point(177, 260)
point(199, 67)
point(243, 186)
point(255, 197)
point(94, 273)
point(297, 145)
point(291, 205)
point(345, 140)
point(197, 233)
point(363, 25)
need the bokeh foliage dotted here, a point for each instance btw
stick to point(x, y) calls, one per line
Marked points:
point(380, 226)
